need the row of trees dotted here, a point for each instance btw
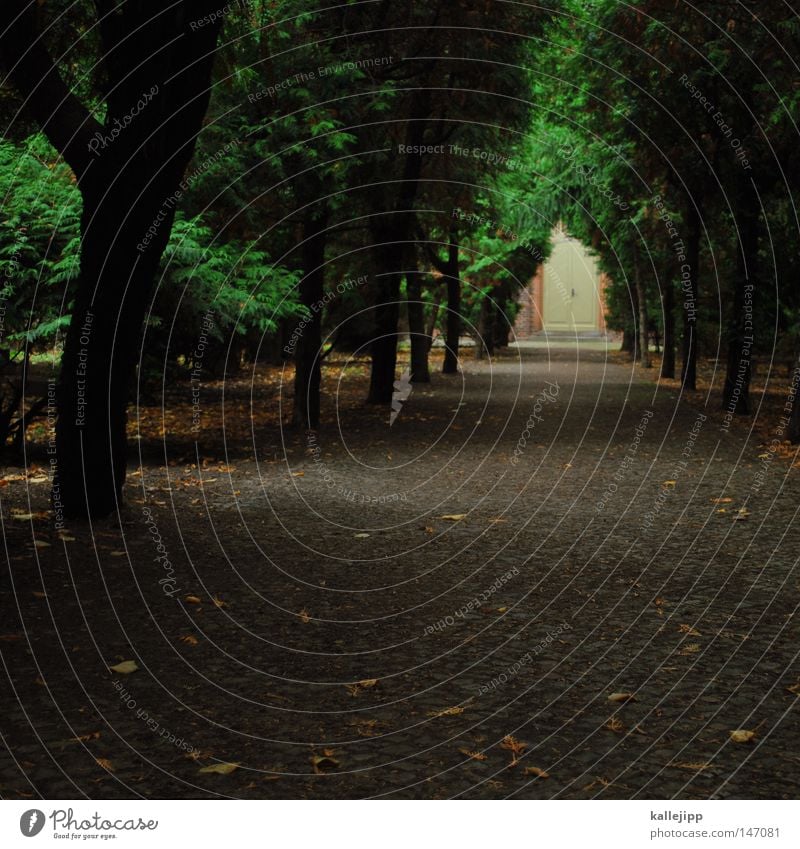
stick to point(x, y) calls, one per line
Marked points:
point(167, 170)
point(665, 140)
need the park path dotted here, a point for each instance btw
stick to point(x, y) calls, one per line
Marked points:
point(437, 608)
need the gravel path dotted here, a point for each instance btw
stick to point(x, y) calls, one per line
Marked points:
point(316, 619)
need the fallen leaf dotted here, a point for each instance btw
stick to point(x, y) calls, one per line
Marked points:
point(219, 769)
point(368, 682)
point(323, 764)
point(688, 629)
point(40, 543)
point(742, 736)
point(454, 517)
point(360, 536)
point(298, 474)
point(189, 640)
point(475, 756)
point(622, 697)
point(668, 483)
point(125, 668)
point(218, 601)
point(451, 711)
point(304, 616)
point(615, 725)
point(694, 766)
point(721, 500)
point(192, 599)
point(536, 772)
point(105, 763)
point(690, 648)
point(517, 747)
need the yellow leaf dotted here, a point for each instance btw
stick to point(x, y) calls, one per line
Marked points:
point(189, 640)
point(476, 756)
point(742, 736)
point(695, 766)
point(40, 543)
point(105, 763)
point(361, 536)
point(513, 745)
point(454, 517)
point(323, 764)
point(298, 474)
point(668, 483)
point(219, 602)
point(615, 725)
point(304, 616)
point(721, 500)
point(368, 682)
point(192, 599)
point(622, 697)
point(219, 769)
point(125, 668)
point(691, 648)
point(536, 772)
point(451, 711)
point(688, 629)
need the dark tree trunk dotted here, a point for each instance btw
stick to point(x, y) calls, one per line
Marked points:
point(793, 426)
point(420, 343)
point(668, 309)
point(308, 371)
point(453, 331)
point(736, 390)
point(501, 327)
point(628, 345)
point(392, 234)
point(484, 342)
point(102, 346)
point(129, 171)
point(689, 292)
point(434, 316)
point(387, 313)
point(641, 300)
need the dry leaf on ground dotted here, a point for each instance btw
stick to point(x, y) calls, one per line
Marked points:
point(535, 772)
point(219, 769)
point(741, 735)
point(125, 668)
point(622, 697)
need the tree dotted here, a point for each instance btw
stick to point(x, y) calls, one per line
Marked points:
point(129, 167)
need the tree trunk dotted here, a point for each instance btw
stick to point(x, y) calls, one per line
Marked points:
point(453, 331)
point(641, 298)
point(420, 344)
point(690, 290)
point(387, 313)
point(793, 426)
point(484, 342)
point(434, 315)
point(668, 309)
point(104, 341)
point(308, 372)
point(736, 391)
point(628, 345)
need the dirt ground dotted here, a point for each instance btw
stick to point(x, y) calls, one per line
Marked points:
point(548, 578)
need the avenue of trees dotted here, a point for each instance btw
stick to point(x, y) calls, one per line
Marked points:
point(287, 178)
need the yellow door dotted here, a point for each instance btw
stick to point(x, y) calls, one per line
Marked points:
point(570, 288)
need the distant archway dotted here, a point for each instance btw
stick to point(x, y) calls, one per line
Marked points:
point(567, 293)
